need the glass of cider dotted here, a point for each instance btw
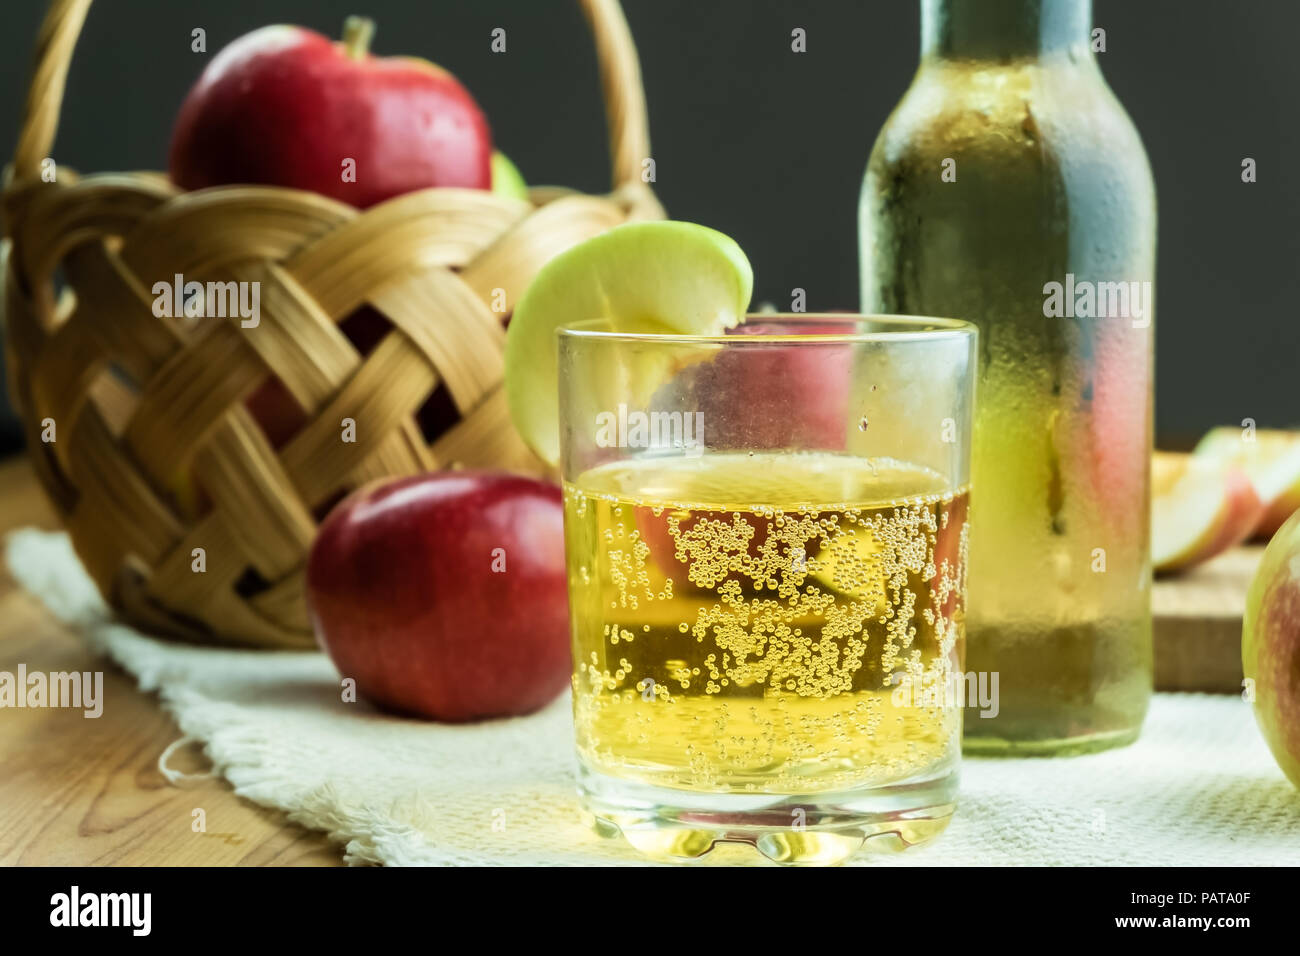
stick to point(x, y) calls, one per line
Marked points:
point(766, 545)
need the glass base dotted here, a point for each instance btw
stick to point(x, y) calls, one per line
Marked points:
point(1061, 747)
point(818, 829)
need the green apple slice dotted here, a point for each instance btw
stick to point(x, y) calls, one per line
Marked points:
point(645, 277)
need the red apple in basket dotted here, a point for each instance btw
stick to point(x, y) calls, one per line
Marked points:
point(444, 595)
point(284, 106)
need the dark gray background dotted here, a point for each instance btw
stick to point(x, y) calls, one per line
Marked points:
point(769, 146)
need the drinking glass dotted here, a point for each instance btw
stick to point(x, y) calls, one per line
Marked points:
point(766, 547)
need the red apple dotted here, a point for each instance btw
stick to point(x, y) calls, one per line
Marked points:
point(444, 595)
point(285, 106)
point(1270, 646)
point(767, 397)
point(777, 396)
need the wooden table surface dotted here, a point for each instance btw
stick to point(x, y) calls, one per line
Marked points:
point(75, 791)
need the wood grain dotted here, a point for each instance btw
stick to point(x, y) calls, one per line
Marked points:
point(75, 791)
point(1198, 623)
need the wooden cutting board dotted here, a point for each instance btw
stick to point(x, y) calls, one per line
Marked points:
point(1198, 623)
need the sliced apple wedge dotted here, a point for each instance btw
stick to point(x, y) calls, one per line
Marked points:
point(1200, 507)
point(642, 277)
point(1271, 457)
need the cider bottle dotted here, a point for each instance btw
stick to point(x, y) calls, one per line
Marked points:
point(1010, 188)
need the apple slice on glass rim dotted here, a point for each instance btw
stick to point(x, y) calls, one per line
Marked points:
point(675, 278)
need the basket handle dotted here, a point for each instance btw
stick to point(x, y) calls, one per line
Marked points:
point(59, 32)
point(620, 79)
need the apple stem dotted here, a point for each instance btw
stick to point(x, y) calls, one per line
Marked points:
point(357, 34)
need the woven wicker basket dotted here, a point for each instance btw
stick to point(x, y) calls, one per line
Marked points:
point(155, 452)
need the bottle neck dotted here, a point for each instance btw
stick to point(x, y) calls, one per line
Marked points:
point(1004, 29)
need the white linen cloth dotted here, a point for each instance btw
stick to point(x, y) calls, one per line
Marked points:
point(1198, 788)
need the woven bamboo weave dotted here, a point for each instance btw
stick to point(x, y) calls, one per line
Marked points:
point(155, 452)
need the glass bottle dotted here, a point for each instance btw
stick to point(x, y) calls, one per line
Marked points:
point(1010, 188)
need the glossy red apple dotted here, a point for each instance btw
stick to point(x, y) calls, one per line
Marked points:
point(285, 106)
point(444, 595)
